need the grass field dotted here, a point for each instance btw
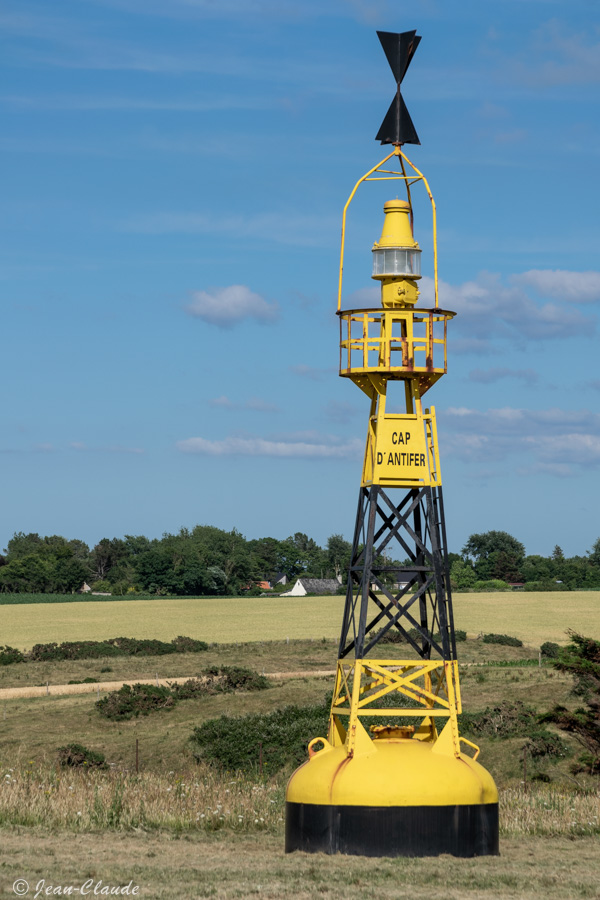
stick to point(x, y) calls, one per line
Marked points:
point(182, 830)
point(534, 617)
point(237, 867)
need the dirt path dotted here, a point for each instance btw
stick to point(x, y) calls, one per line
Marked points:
point(54, 690)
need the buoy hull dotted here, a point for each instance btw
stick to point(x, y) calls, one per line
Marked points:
point(464, 831)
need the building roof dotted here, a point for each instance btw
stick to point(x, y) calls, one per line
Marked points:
point(320, 585)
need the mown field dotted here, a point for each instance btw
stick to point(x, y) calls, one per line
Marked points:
point(534, 617)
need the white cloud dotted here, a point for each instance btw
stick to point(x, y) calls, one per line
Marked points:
point(489, 309)
point(557, 439)
point(557, 56)
point(227, 306)
point(287, 449)
point(223, 402)
point(578, 287)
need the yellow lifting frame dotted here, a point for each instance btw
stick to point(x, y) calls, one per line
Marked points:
point(392, 176)
point(362, 683)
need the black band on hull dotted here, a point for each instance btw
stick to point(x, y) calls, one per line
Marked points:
point(392, 830)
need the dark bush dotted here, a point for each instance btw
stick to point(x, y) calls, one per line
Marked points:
point(504, 639)
point(508, 720)
point(193, 687)
point(10, 655)
point(545, 586)
point(72, 650)
point(134, 700)
point(549, 650)
point(120, 646)
point(541, 742)
point(188, 645)
point(84, 681)
point(236, 678)
point(219, 679)
point(78, 756)
point(505, 720)
point(232, 743)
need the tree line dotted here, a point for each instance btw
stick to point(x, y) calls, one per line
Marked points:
point(210, 561)
point(200, 561)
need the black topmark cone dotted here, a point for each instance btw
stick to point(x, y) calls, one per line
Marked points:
point(397, 127)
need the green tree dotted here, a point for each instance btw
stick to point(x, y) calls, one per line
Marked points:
point(581, 659)
point(462, 574)
point(339, 552)
point(495, 554)
point(594, 554)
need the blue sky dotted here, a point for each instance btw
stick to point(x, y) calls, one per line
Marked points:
point(173, 180)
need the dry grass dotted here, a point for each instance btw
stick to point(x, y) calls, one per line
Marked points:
point(87, 801)
point(534, 617)
point(201, 799)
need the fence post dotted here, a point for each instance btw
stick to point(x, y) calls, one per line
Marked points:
point(137, 755)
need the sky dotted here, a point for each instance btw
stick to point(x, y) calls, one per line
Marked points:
point(173, 180)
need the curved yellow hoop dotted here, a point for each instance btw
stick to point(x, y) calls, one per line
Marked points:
point(392, 176)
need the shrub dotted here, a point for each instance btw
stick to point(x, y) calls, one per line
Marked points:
point(134, 700)
point(493, 584)
point(541, 742)
point(232, 743)
point(581, 659)
point(72, 650)
point(78, 756)
point(120, 646)
point(235, 678)
point(503, 721)
point(509, 720)
point(219, 679)
point(10, 655)
point(545, 586)
point(549, 650)
point(504, 639)
point(188, 645)
point(83, 681)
